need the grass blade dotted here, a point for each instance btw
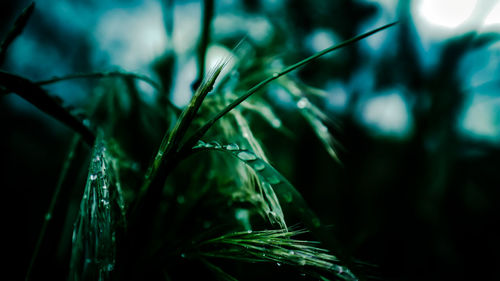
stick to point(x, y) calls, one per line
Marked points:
point(276, 246)
point(200, 132)
point(16, 30)
point(42, 100)
point(94, 242)
point(267, 178)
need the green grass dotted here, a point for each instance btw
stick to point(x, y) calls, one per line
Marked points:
point(208, 192)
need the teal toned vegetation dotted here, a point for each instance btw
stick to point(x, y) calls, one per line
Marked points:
point(317, 140)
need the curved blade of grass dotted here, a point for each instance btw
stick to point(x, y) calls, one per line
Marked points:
point(272, 246)
point(170, 142)
point(201, 131)
point(16, 30)
point(314, 117)
point(276, 185)
point(94, 245)
point(42, 100)
point(267, 179)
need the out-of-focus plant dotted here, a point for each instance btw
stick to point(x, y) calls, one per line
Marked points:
point(206, 196)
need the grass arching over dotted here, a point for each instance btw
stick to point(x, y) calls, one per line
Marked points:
point(233, 205)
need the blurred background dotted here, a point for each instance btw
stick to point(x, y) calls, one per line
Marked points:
point(416, 108)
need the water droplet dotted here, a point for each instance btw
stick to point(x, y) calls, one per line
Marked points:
point(86, 122)
point(276, 74)
point(93, 177)
point(273, 179)
point(247, 156)
point(199, 144)
point(104, 186)
point(181, 199)
point(291, 252)
point(110, 267)
point(249, 231)
point(214, 144)
point(183, 255)
point(301, 262)
point(232, 146)
point(48, 216)
point(278, 264)
point(259, 166)
point(276, 123)
point(303, 274)
point(97, 158)
point(302, 103)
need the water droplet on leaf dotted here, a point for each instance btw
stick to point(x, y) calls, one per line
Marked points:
point(232, 146)
point(247, 156)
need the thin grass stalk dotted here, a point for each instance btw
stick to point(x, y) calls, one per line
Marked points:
point(201, 131)
point(37, 96)
point(16, 30)
point(48, 215)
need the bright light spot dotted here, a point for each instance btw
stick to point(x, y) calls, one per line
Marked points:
point(494, 16)
point(337, 96)
point(217, 54)
point(481, 119)
point(132, 38)
point(320, 39)
point(187, 25)
point(387, 115)
point(447, 13)
point(258, 29)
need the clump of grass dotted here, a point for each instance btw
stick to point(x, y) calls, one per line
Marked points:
point(135, 217)
point(276, 246)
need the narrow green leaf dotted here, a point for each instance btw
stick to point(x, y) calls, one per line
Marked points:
point(16, 30)
point(201, 131)
point(94, 236)
point(42, 100)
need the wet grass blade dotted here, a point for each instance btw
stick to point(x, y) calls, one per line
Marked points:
point(289, 198)
point(267, 178)
point(275, 246)
point(94, 242)
point(170, 142)
point(42, 100)
point(16, 30)
point(200, 132)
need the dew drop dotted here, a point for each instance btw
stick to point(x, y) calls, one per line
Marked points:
point(214, 144)
point(276, 74)
point(273, 179)
point(278, 264)
point(302, 103)
point(247, 156)
point(232, 146)
point(199, 144)
point(93, 177)
point(183, 255)
point(259, 166)
point(301, 262)
point(276, 123)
